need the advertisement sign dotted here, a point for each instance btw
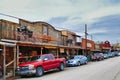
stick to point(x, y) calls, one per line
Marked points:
point(90, 44)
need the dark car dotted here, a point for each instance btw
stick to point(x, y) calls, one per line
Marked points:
point(98, 56)
point(1, 71)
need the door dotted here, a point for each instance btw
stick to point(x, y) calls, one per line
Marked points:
point(46, 62)
point(54, 62)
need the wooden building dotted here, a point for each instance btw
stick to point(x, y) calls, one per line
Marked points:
point(19, 41)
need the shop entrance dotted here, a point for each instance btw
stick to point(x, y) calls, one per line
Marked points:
point(25, 52)
point(7, 60)
point(50, 50)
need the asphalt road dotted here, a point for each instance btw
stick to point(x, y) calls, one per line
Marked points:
point(108, 69)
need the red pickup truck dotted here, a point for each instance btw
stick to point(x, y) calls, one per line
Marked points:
point(39, 64)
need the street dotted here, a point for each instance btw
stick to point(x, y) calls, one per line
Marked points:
point(108, 69)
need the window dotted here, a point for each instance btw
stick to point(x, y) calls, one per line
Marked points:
point(51, 57)
point(46, 57)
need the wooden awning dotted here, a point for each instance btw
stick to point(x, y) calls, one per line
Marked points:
point(7, 44)
point(69, 47)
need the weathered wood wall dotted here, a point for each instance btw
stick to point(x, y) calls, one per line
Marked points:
point(8, 30)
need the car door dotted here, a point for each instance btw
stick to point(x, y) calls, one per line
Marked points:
point(53, 61)
point(81, 59)
point(84, 59)
point(46, 62)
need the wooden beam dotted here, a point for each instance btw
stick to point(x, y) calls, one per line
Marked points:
point(41, 51)
point(17, 54)
point(14, 60)
point(57, 53)
point(4, 62)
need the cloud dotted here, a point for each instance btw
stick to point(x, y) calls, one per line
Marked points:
point(46, 9)
point(68, 14)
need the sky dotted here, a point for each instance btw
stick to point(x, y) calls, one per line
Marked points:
point(101, 16)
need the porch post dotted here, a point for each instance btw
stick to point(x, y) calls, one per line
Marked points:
point(77, 51)
point(57, 53)
point(17, 55)
point(41, 52)
point(14, 60)
point(4, 62)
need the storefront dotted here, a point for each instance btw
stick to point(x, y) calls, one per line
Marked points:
point(25, 39)
point(8, 59)
point(68, 52)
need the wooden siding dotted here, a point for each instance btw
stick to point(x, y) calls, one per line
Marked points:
point(8, 30)
point(40, 32)
point(43, 32)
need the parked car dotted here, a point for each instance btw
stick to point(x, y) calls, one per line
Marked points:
point(77, 60)
point(115, 53)
point(1, 71)
point(110, 54)
point(98, 56)
point(118, 54)
point(105, 56)
point(39, 64)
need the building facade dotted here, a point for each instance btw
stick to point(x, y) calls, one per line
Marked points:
point(19, 41)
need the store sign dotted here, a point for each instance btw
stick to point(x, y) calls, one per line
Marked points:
point(61, 50)
point(46, 38)
point(89, 45)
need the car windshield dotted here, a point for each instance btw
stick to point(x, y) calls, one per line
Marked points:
point(97, 54)
point(75, 57)
point(105, 54)
point(35, 58)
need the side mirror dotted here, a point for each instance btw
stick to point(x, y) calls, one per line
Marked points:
point(45, 59)
point(1, 51)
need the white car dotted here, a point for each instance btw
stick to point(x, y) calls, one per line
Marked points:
point(118, 54)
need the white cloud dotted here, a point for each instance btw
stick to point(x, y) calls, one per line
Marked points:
point(98, 31)
point(112, 10)
point(46, 9)
point(77, 11)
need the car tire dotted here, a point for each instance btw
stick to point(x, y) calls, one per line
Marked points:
point(1, 73)
point(79, 63)
point(39, 71)
point(23, 76)
point(61, 68)
point(86, 62)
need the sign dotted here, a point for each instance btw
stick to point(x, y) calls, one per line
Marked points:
point(61, 50)
point(89, 45)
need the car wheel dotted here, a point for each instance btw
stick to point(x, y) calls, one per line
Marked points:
point(1, 74)
point(39, 71)
point(79, 63)
point(61, 68)
point(86, 62)
point(23, 76)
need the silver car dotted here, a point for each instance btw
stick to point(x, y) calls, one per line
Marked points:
point(77, 60)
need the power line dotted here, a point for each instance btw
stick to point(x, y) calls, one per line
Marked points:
point(27, 20)
point(9, 16)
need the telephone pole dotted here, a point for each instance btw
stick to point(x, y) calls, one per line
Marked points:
point(91, 37)
point(86, 39)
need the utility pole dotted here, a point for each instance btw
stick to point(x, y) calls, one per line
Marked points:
point(86, 39)
point(91, 37)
